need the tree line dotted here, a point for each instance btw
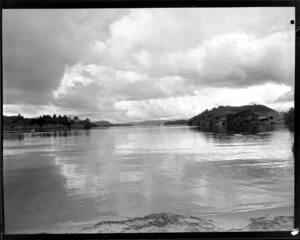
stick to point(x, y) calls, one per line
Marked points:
point(44, 122)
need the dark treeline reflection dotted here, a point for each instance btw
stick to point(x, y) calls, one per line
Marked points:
point(222, 136)
point(65, 133)
point(258, 132)
point(247, 129)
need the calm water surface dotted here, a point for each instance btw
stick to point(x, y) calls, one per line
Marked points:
point(69, 178)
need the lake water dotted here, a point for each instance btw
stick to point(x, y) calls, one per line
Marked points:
point(69, 178)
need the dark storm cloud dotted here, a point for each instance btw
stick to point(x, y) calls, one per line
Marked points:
point(37, 47)
point(35, 50)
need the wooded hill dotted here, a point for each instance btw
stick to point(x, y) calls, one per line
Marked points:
point(236, 116)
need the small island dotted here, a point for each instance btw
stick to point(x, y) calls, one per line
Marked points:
point(236, 119)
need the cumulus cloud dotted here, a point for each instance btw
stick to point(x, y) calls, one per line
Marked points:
point(132, 64)
point(187, 106)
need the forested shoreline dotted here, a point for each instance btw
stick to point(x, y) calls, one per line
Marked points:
point(233, 118)
point(45, 122)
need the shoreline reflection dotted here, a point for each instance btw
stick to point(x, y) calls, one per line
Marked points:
point(122, 172)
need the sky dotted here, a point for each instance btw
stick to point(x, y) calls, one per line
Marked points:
point(126, 65)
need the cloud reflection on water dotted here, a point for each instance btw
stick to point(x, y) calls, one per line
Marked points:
point(135, 171)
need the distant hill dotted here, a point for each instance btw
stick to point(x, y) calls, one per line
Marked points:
point(147, 123)
point(103, 124)
point(122, 124)
point(109, 124)
point(256, 113)
point(141, 123)
point(176, 122)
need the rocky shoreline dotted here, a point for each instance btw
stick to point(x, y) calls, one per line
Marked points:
point(167, 222)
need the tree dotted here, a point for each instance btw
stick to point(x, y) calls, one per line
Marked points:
point(19, 117)
point(87, 123)
point(289, 117)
